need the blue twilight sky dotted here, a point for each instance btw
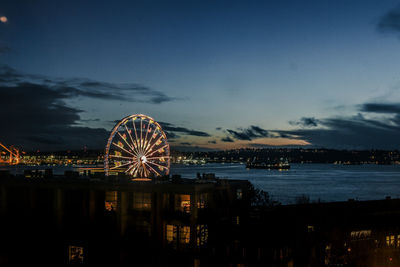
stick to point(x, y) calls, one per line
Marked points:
point(217, 74)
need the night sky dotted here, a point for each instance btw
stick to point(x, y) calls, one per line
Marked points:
point(215, 74)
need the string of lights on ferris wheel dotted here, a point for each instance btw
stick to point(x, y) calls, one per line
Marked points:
point(138, 147)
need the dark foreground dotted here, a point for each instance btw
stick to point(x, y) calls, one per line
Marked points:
point(185, 222)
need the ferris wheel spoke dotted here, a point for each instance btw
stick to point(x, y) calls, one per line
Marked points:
point(149, 173)
point(145, 171)
point(137, 168)
point(145, 139)
point(115, 167)
point(123, 153)
point(134, 126)
point(142, 154)
point(148, 145)
point(134, 171)
point(130, 136)
point(152, 146)
point(160, 157)
point(130, 167)
point(126, 142)
point(152, 153)
point(140, 140)
point(152, 168)
point(154, 136)
point(123, 149)
point(146, 148)
point(164, 167)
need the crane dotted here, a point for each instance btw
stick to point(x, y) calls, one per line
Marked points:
point(13, 153)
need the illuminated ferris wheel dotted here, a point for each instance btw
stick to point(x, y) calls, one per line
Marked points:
point(138, 147)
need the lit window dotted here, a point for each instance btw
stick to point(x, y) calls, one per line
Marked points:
point(237, 220)
point(362, 234)
point(390, 240)
point(75, 254)
point(142, 201)
point(310, 228)
point(111, 201)
point(184, 234)
point(202, 235)
point(171, 233)
point(182, 203)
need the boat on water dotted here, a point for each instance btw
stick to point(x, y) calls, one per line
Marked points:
point(281, 164)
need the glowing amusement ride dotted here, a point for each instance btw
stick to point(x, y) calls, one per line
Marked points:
point(138, 147)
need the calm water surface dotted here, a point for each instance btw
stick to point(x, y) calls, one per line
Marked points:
point(324, 182)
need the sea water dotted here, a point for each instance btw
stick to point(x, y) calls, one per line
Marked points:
point(318, 182)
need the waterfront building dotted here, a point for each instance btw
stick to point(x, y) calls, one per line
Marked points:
point(170, 221)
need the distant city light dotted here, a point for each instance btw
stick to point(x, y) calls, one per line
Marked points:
point(3, 19)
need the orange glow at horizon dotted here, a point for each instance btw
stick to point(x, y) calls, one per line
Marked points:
point(262, 142)
point(259, 142)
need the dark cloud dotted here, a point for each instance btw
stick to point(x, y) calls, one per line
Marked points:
point(251, 133)
point(177, 129)
point(35, 114)
point(89, 120)
point(42, 105)
point(350, 132)
point(305, 122)
point(79, 87)
point(239, 135)
point(218, 128)
point(259, 132)
point(227, 139)
point(395, 119)
point(130, 92)
point(381, 107)
point(161, 98)
point(309, 122)
point(40, 119)
point(171, 135)
point(355, 132)
point(390, 22)
point(174, 132)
